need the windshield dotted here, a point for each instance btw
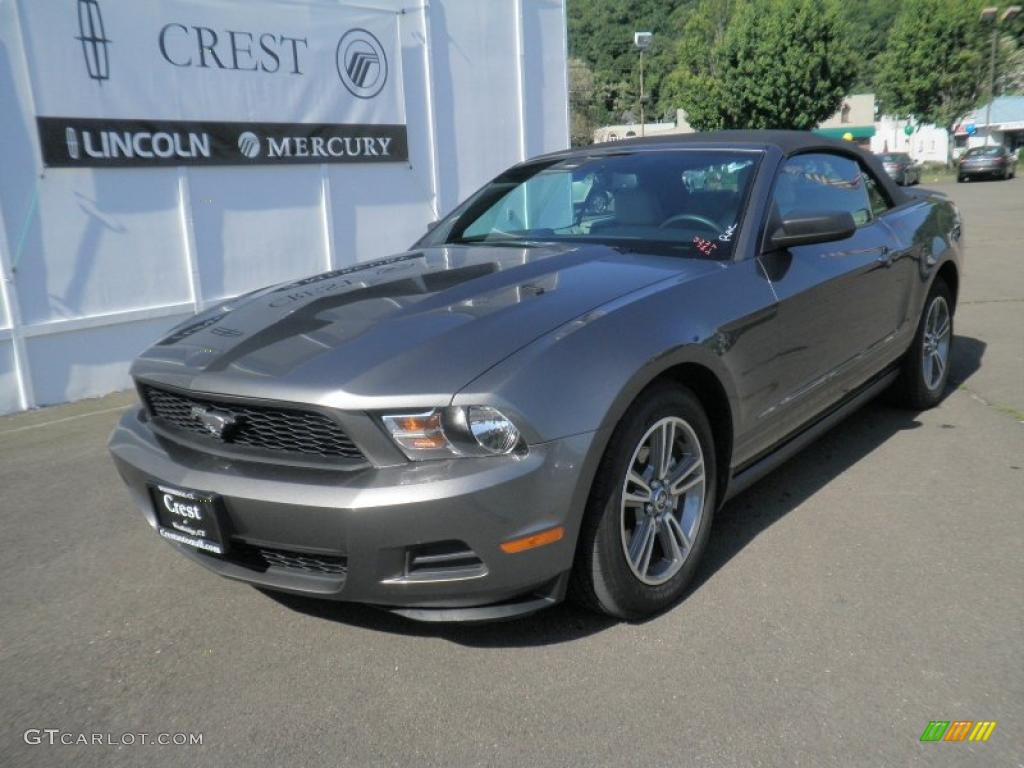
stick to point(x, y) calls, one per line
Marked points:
point(984, 151)
point(690, 200)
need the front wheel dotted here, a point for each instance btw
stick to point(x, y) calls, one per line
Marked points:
point(925, 368)
point(650, 509)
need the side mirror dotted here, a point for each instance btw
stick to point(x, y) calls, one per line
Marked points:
point(807, 229)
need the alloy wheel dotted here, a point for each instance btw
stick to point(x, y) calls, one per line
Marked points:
point(662, 500)
point(935, 343)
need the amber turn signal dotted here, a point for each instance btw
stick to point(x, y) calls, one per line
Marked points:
point(549, 536)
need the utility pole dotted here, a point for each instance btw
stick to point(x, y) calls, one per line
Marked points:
point(643, 120)
point(642, 41)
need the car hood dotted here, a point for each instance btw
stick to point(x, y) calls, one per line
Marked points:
point(412, 329)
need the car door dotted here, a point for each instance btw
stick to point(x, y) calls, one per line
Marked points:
point(837, 301)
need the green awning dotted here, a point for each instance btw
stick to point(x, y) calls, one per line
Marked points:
point(858, 131)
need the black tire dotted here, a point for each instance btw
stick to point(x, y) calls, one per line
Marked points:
point(603, 579)
point(959, 179)
point(912, 390)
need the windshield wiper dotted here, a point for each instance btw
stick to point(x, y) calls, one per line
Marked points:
point(485, 240)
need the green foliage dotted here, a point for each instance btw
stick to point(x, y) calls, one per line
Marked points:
point(584, 114)
point(696, 63)
point(869, 22)
point(780, 64)
point(935, 65)
point(601, 36)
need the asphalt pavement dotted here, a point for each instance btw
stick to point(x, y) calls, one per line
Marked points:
point(872, 584)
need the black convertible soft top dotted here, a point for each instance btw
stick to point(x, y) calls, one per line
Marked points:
point(788, 142)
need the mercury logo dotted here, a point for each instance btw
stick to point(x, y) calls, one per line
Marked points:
point(249, 144)
point(94, 40)
point(362, 65)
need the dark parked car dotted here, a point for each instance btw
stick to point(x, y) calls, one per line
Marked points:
point(901, 168)
point(555, 388)
point(994, 162)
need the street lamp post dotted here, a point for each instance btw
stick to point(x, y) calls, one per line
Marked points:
point(642, 41)
point(990, 15)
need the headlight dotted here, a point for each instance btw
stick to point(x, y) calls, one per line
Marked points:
point(491, 430)
point(445, 432)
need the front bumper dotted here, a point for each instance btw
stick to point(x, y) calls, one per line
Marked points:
point(369, 525)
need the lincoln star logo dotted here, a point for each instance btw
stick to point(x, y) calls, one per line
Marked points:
point(218, 423)
point(362, 65)
point(94, 40)
point(72, 141)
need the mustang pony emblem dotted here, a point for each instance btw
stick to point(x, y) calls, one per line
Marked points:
point(217, 423)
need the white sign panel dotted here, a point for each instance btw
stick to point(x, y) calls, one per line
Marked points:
point(171, 82)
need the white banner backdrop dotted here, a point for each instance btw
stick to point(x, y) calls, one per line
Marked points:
point(172, 82)
point(98, 262)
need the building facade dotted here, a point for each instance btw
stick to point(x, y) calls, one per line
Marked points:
point(924, 143)
point(1002, 124)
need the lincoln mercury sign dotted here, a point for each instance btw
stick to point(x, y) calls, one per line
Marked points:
point(185, 82)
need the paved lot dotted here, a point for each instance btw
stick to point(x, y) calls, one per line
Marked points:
point(872, 584)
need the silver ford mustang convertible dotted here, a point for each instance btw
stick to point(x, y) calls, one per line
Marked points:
point(553, 391)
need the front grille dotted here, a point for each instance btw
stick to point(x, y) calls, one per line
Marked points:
point(328, 564)
point(283, 558)
point(261, 558)
point(267, 428)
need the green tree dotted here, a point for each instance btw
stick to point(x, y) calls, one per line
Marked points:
point(585, 108)
point(935, 66)
point(601, 35)
point(1010, 64)
point(869, 23)
point(780, 64)
point(1011, 72)
point(701, 34)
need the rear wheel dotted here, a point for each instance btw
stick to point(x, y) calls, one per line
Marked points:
point(650, 509)
point(925, 368)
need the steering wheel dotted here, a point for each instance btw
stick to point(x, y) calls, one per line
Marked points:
point(704, 221)
point(597, 203)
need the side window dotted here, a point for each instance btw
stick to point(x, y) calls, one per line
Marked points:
point(821, 183)
point(879, 202)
